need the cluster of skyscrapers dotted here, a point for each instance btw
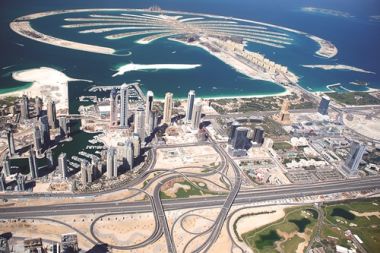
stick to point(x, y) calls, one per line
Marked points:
point(239, 141)
point(145, 119)
point(122, 156)
point(41, 125)
point(68, 243)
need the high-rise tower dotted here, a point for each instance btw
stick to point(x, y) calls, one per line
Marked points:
point(168, 107)
point(152, 122)
point(136, 145)
point(43, 123)
point(113, 106)
point(190, 105)
point(20, 179)
point(49, 157)
point(3, 187)
point(240, 139)
point(140, 122)
point(197, 114)
point(38, 106)
point(62, 165)
point(324, 105)
point(6, 167)
point(239, 143)
point(51, 113)
point(353, 159)
point(24, 107)
point(37, 139)
point(63, 129)
point(124, 106)
point(231, 133)
point(111, 163)
point(11, 143)
point(148, 109)
point(129, 153)
point(32, 164)
point(258, 135)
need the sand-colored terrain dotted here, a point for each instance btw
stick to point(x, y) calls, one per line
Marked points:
point(252, 222)
point(173, 190)
point(114, 196)
point(366, 214)
point(367, 127)
point(125, 229)
point(186, 156)
point(46, 83)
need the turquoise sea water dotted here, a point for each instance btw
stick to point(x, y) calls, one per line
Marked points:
point(356, 38)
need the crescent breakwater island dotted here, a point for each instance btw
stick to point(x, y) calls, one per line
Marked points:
point(339, 67)
point(143, 67)
point(327, 49)
point(223, 37)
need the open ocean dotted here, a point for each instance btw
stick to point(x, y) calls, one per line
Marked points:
point(357, 39)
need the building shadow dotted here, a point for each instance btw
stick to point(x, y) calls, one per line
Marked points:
point(7, 235)
point(99, 248)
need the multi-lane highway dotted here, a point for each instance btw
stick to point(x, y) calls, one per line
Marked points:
point(243, 197)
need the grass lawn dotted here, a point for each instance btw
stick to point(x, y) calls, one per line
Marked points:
point(296, 220)
point(8, 101)
point(164, 196)
point(291, 245)
point(282, 145)
point(355, 98)
point(339, 217)
point(193, 191)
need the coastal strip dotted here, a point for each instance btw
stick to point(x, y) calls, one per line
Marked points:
point(46, 82)
point(339, 67)
point(250, 64)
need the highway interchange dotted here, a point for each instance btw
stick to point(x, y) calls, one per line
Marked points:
point(232, 196)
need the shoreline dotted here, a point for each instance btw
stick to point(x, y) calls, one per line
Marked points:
point(45, 82)
point(238, 65)
point(281, 94)
point(330, 90)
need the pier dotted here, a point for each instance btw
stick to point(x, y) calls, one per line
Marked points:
point(134, 87)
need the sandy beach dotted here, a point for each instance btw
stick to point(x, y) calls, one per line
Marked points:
point(46, 82)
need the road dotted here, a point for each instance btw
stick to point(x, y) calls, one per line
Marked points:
point(243, 197)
